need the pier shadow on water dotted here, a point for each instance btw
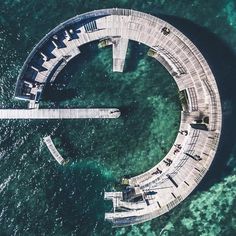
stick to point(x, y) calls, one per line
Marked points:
point(222, 61)
point(55, 94)
point(136, 52)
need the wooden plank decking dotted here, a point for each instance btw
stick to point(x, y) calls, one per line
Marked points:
point(59, 113)
point(195, 146)
point(51, 147)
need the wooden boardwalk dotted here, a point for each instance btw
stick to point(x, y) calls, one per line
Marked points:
point(174, 178)
point(120, 46)
point(92, 113)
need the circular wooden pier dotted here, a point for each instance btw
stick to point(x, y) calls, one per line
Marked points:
point(161, 188)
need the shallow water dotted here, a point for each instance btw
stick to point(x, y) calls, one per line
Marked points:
point(38, 197)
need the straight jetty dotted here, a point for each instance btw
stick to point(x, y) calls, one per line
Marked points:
point(90, 113)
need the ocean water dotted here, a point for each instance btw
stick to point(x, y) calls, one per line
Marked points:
point(39, 197)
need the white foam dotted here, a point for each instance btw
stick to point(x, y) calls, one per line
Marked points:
point(5, 183)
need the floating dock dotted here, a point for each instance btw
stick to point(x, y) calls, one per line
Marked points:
point(170, 181)
point(51, 147)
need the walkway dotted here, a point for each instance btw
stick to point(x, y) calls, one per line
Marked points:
point(92, 113)
point(170, 181)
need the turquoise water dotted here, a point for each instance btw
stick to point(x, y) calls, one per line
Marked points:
point(38, 197)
